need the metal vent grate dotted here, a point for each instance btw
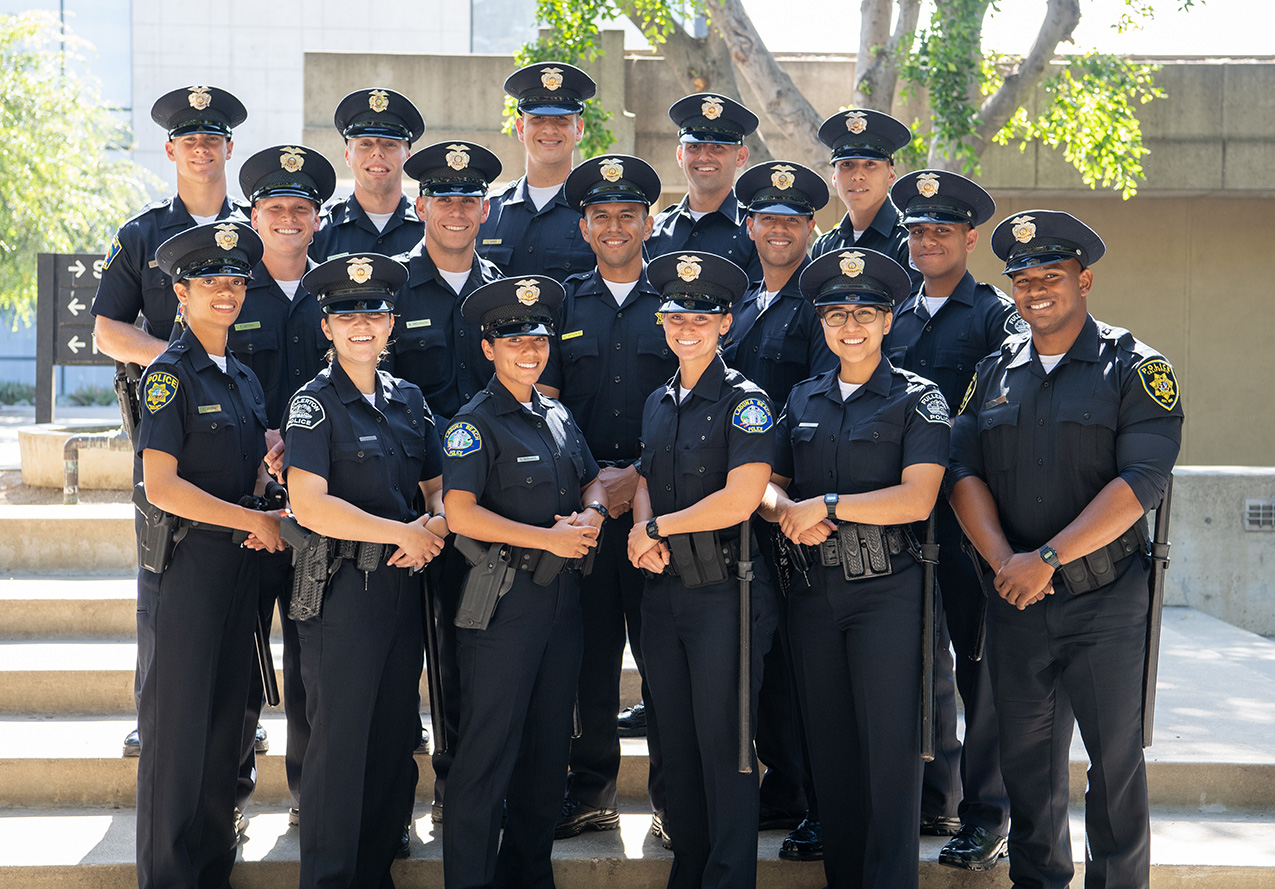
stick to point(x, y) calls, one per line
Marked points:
point(1259, 515)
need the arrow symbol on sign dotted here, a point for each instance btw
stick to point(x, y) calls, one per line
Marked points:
point(75, 345)
point(78, 268)
point(75, 306)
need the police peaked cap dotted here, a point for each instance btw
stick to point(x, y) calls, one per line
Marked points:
point(551, 89)
point(453, 168)
point(356, 283)
point(287, 171)
point(1043, 237)
point(855, 277)
point(710, 117)
point(378, 112)
point(211, 250)
point(610, 179)
point(696, 282)
point(198, 109)
point(940, 196)
point(861, 132)
point(782, 187)
point(522, 306)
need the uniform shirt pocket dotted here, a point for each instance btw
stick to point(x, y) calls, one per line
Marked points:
point(998, 433)
point(1087, 432)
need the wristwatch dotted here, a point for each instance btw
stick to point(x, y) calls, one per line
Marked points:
point(601, 510)
point(830, 501)
point(1050, 557)
point(653, 529)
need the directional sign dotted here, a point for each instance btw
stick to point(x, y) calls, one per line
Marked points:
point(74, 279)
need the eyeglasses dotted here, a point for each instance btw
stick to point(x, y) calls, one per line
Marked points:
point(861, 315)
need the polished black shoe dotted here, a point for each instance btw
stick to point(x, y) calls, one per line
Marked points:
point(576, 818)
point(657, 829)
point(294, 817)
point(974, 848)
point(241, 826)
point(260, 742)
point(770, 818)
point(805, 843)
point(632, 721)
point(422, 745)
point(436, 813)
point(939, 826)
point(405, 843)
point(133, 744)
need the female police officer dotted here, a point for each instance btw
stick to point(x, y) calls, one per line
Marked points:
point(358, 445)
point(707, 439)
point(201, 442)
point(861, 450)
point(520, 478)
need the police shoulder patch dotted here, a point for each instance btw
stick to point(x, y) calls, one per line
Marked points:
point(462, 439)
point(159, 390)
point(305, 412)
point(932, 408)
point(965, 399)
point(1015, 324)
point(1159, 382)
point(752, 415)
point(113, 252)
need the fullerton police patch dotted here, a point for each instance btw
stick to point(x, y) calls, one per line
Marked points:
point(462, 439)
point(159, 390)
point(933, 408)
point(306, 412)
point(752, 415)
point(1015, 324)
point(1157, 378)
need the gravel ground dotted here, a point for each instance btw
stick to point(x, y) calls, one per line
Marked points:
point(14, 493)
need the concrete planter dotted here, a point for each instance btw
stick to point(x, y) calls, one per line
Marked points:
point(42, 461)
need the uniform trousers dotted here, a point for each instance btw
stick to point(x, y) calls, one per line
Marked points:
point(200, 613)
point(690, 638)
point(857, 655)
point(517, 682)
point(1078, 656)
point(361, 664)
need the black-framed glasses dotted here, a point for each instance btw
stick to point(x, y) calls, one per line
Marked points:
point(839, 317)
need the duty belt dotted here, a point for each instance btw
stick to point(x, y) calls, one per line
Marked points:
point(1098, 569)
point(526, 558)
point(616, 464)
point(863, 551)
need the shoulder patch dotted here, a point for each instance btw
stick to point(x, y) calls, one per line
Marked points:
point(1159, 382)
point(305, 412)
point(160, 388)
point(968, 393)
point(1015, 324)
point(752, 415)
point(933, 408)
point(462, 439)
point(113, 252)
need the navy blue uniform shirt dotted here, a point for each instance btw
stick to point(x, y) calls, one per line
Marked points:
point(723, 231)
point(522, 240)
point(345, 228)
point(885, 234)
point(1046, 444)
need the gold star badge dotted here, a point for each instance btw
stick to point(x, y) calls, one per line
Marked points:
point(927, 184)
point(291, 159)
point(712, 108)
point(378, 100)
point(359, 268)
point(1024, 229)
point(457, 156)
point(528, 291)
point(688, 268)
point(227, 236)
point(551, 78)
point(856, 122)
point(852, 264)
point(199, 98)
point(611, 169)
point(782, 177)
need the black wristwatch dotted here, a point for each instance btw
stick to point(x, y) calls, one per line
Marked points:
point(1050, 557)
point(830, 501)
point(602, 510)
point(653, 530)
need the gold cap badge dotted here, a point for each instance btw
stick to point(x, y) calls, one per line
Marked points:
point(852, 264)
point(611, 169)
point(378, 100)
point(199, 97)
point(712, 108)
point(359, 269)
point(227, 236)
point(528, 291)
point(291, 159)
point(688, 267)
point(927, 184)
point(458, 156)
point(1024, 229)
point(782, 177)
point(551, 78)
point(856, 122)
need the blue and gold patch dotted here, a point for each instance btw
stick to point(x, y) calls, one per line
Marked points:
point(160, 389)
point(113, 252)
point(752, 415)
point(1158, 379)
point(462, 439)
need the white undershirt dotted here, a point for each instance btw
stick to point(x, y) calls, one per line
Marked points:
point(620, 290)
point(765, 298)
point(934, 303)
point(370, 396)
point(858, 234)
point(379, 219)
point(848, 389)
point(203, 220)
point(682, 393)
point(220, 361)
point(542, 195)
point(697, 215)
point(455, 280)
point(530, 406)
point(289, 288)
point(1049, 362)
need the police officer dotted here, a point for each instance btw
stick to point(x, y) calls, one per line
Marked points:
point(278, 337)
point(201, 440)
point(610, 354)
point(1065, 440)
point(531, 229)
point(941, 332)
point(710, 149)
point(707, 440)
point(861, 454)
point(518, 473)
point(776, 341)
point(360, 443)
point(863, 144)
point(379, 127)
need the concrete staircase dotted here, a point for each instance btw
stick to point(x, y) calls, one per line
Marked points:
point(66, 794)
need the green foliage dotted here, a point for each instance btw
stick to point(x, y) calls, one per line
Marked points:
point(61, 191)
point(13, 392)
point(92, 396)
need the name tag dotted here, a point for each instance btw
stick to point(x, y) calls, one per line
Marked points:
point(999, 399)
point(419, 322)
point(534, 458)
point(810, 425)
point(491, 242)
point(367, 438)
point(572, 335)
point(209, 408)
point(153, 264)
point(249, 325)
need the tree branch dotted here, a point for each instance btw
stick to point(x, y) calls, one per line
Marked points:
point(871, 87)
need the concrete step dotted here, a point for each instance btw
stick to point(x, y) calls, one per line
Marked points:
point(45, 607)
point(90, 538)
point(79, 849)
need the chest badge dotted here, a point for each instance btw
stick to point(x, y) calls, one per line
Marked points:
point(160, 390)
point(462, 439)
point(753, 416)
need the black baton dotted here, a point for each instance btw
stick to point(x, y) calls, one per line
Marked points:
point(745, 570)
point(929, 634)
point(265, 661)
point(1155, 608)
point(433, 671)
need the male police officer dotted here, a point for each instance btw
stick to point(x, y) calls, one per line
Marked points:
point(531, 229)
point(941, 333)
point(611, 354)
point(710, 149)
point(379, 127)
point(1066, 438)
point(199, 121)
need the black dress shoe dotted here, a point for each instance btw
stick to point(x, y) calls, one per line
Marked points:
point(770, 818)
point(294, 817)
point(260, 742)
point(939, 826)
point(974, 848)
point(422, 744)
point(576, 818)
point(241, 826)
point(405, 843)
point(657, 829)
point(631, 722)
point(436, 813)
point(133, 744)
point(805, 843)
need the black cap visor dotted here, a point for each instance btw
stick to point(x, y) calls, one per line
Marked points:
point(711, 136)
point(381, 129)
point(860, 150)
point(462, 188)
point(356, 305)
point(689, 302)
point(213, 267)
point(863, 292)
point(1044, 254)
point(781, 204)
point(207, 124)
point(550, 106)
point(293, 188)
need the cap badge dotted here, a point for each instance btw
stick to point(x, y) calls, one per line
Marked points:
point(927, 184)
point(856, 122)
point(611, 169)
point(852, 264)
point(378, 100)
point(712, 108)
point(458, 156)
point(291, 159)
point(199, 97)
point(227, 236)
point(782, 177)
point(551, 78)
point(688, 267)
point(528, 291)
point(1024, 229)
point(359, 269)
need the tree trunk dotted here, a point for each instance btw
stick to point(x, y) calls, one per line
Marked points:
point(877, 64)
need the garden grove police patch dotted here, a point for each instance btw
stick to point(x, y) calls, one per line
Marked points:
point(933, 408)
point(1157, 378)
point(752, 415)
point(462, 439)
point(306, 412)
point(159, 390)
